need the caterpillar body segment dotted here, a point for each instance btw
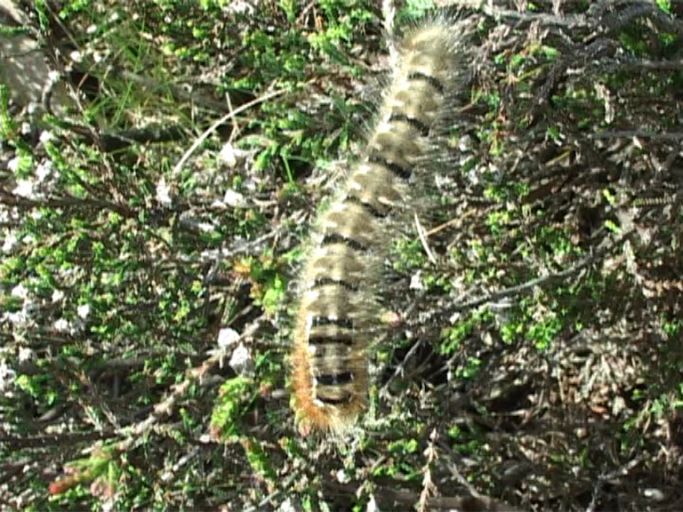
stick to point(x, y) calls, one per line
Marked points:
point(338, 310)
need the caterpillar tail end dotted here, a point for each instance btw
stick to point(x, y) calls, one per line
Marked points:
point(311, 415)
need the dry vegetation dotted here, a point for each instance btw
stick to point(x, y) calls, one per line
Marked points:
point(153, 204)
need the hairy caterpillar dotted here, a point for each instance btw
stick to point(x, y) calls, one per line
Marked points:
point(337, 310)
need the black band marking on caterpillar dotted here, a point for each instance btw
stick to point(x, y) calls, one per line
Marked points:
point(396, 169)
point(434, 82)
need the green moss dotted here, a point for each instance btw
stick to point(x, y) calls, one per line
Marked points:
point(234, 397)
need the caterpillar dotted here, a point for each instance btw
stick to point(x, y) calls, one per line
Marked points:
point(337, 310)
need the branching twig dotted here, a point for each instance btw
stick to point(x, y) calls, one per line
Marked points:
point(533, 283)
point(135, 434)
point(198, 142)
point(645, 134)
point(620, 471)
point(389, 498)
